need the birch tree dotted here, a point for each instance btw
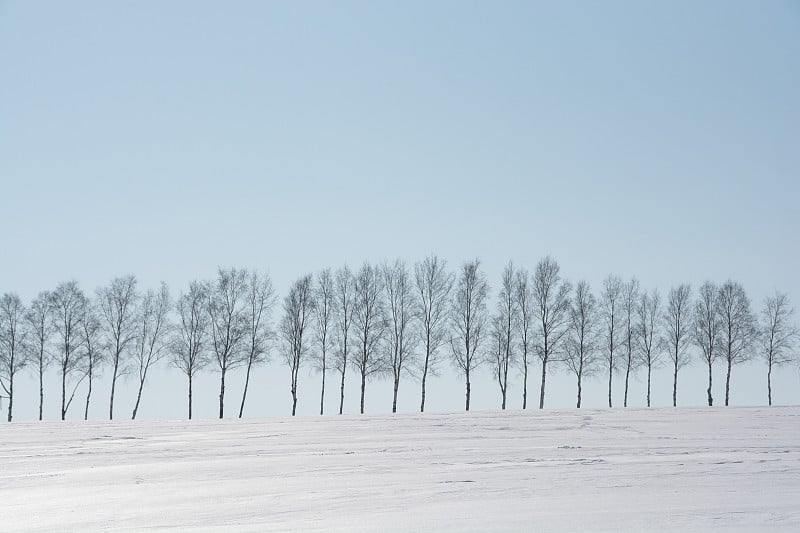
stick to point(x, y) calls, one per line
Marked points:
point(39, 321)
point(92, 350)
point(68, 301)
point(469, 321)
point(630, 297)
point(778, 335)
point(523, 297)
point(260, 300)
point(611, 310)
point(13, 352)
point(343, 302)
point(151, 342)
point(400, 321)
point(580, 356)
point(503, 330)
point(551, 307)
point(434, 285)
point(677, 329)
point(298, 307)
point(738, 328)
point(324, 315)
point(707, 325)
point(369, 325)
point(227, 310)
point(189, 343)
point(647, 333)
point(117, 305)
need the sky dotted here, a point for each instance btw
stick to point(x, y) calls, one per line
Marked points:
point(656, 140)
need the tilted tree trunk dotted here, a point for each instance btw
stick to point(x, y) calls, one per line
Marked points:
point(246, 383)
point(425, 376)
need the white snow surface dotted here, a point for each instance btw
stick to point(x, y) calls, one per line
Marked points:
point(682, 469)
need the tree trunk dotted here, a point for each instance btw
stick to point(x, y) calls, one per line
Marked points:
point(424, 377)
point(222, 393)
point(710, 397)
point(138, 398)
point(363, 388)
point(610, 374)
point(322, 394)
point(294, 400)
point(769, 383)
point(579, 391)
point(627, 378)
point(544, 377)
point(63, 392)
point(246, 383)
point(649, 370)
point(341, 396)
point(675, 385)
point(728, 384)
point(396, 386)
point(190, 395)
point(41, 387)
point(113, 388)
point(525, 386)
point(88, 395)
point(10, 392)
point(468, 391)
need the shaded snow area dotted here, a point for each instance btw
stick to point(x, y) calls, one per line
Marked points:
point(578, 470)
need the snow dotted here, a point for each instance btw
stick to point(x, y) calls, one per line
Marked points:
point(553, 470)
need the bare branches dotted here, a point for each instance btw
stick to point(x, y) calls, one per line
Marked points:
point(707, 329)
point(778, 335)
point(400, 313)
point(504, 329)
point(369, 323)
point(298, 307)
point(344, 299)
point(189, 353)
point(68, 302)
point(324, 316)
point(524, 300)
point(677, 328)
point(630, 297)
point(738, 328)
point(580, 355)
point(151, 340)
point(434, 285)
point(93, 355)
point(469, 320)
point(258, 333)
point(13, 355)
point(39, 321)
point(610, 311)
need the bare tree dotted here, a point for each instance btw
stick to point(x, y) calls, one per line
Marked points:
point(647, 333)
point(93, 354)
point(260, 302)
point(13, 352)
point(434, 285)
point(39, 319)
point(343, 308)
point(580, 356)
point(298, 307)
point(469, 320)
point(630, 297)
point(611, 309)
point(400, 313)
point(227, 310)
point(778, 335)
point(68, 302)
point(738, 330)
point(152, 339)
point(707, 326)
point(369, 322)
point(503, 330)
point(324, 311)
point(551, 308)
point(677, 328)
point(523, 297)
point(189, 354)
point(117, 305)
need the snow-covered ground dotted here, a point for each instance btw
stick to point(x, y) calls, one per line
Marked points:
point(572, 470)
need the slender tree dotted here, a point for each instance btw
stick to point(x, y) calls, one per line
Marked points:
point(92, 353)
point(503, 330)
point(580, 356)
point(630, 298)
point(369, 323)
point(469, 320)
point(344, 300)
point(707, 325)
point(610, 310)
point(523, 298)
point(551, 306)
point(778, 335)
point(324, 311)
point(117, 305)
point(13, 352)
point(738, 328)
point(434, 285)
point(227, 310)
point(153, 335)
point(677, 328)
point(39, 321)
point(68, 302)
point(189, 353)
point(400, 314)
point(647, 333)
point(260, 300)
point(298, 307)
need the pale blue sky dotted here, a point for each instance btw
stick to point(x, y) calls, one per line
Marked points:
point(660, 140)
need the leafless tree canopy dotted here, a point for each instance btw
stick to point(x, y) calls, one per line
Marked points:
point(707, 329)
point(324, 314)
point(400, 339)
point(68, 301)
point(152, 336)
point(344, 300)
point(648, 339)
point(630, 298)
point(610, 312)
point(433, 288)
point(369, 325)
point(260, 300)
point(469, 320)
point(677, 328)
point(118, 305)
point(778, 335)
point(189, 343)
point(523, 297)
point(738, 328)
point(298, 307)
point(581, 353)
point(39, 321)
point(504, 327)
point(13, 355)
point(92, 353)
